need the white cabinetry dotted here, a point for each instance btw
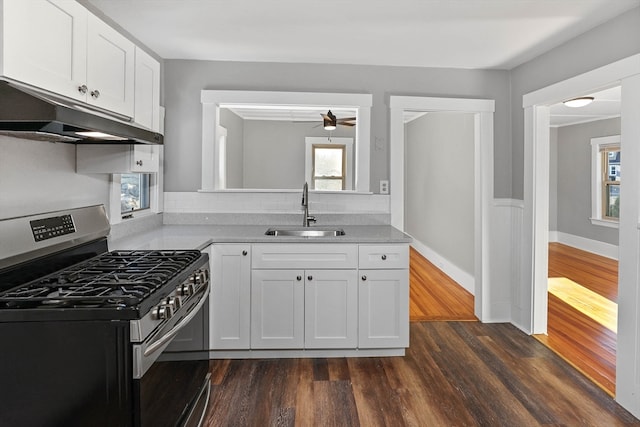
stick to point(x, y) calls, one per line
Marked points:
point(304, 296)
point(384, 296)
point(117, 158)
point(147, 91)
point(230, 299)
point(60, 47)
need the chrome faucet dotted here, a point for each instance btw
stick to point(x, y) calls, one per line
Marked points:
point(305, 204)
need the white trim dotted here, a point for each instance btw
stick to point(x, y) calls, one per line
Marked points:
point(460, 276)
point(483, 110)
point(604, 222)
point(589, 245)
point(212, 99)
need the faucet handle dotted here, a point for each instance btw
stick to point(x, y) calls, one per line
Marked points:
point(311, 218)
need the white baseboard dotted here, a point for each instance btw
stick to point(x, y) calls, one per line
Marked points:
point(594, 246)
point(464, 279)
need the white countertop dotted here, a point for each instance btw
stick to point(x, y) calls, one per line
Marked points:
point(201, 236)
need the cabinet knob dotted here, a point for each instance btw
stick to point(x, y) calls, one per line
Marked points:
point(82, 89)
point(384, 257)
point(309, 277)
point(298, 278)
point(139, 162)
point(95, 94)
point(364, 278)
point(244, 253)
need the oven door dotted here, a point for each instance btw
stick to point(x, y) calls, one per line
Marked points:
point(174, 387)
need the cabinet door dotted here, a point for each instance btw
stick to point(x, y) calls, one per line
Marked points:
point(45, 45)
point(230, 297)
point(331, 309)
point(384, 308)
point(110, 68)
point(147, 91)
point(277, 309)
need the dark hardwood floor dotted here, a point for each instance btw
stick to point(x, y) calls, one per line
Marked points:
point(581, 341)
point(453, 374)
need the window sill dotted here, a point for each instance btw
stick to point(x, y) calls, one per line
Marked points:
point(605, 223)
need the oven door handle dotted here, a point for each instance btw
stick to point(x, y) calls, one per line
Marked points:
point(156, 345)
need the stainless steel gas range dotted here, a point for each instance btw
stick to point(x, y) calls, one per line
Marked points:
point(85, 332)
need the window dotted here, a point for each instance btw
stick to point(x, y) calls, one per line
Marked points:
point(134, 192)
point(605, 180)
point(329, 163)
point(328, 167)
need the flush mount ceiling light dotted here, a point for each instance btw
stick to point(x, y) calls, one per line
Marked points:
point(578, 102)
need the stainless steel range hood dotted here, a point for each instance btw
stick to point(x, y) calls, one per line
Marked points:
point(32, 115)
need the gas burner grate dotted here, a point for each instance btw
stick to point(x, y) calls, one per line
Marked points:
point(114, 279)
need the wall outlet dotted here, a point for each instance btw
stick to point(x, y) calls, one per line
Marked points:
point(384, 186)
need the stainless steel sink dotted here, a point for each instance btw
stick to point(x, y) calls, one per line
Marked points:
point(305, 232)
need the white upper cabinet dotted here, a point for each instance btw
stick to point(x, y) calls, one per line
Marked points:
point(147, 91)
point(44, 44)
point(110, 68)
point(59, 46)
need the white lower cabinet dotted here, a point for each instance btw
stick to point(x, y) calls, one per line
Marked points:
point(309, 296)
point(383, 296)
point(277, 309)
point(230, 298)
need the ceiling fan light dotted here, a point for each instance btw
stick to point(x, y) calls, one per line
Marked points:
point(578, 102)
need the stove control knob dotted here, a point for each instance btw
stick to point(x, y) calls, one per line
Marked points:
point(199, 277)
point(163, 311)
point(174, 302)
point(185, 290)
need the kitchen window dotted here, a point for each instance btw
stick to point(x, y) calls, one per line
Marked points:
point(134, 192)
point(605, 181)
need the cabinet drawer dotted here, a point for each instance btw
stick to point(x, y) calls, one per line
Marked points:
point(303, 255)
point(383, 256)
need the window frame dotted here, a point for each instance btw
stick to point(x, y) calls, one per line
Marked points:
point(342, 178)
point(348, 166)
point(115, 214)
point(599, 146)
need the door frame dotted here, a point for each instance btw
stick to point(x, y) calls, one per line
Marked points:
point(483, 110)
point(625, 73)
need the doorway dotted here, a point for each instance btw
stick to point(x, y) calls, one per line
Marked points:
point(482, 111)
point(536, 104)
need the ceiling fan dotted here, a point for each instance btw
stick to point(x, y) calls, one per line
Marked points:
point(330, 121)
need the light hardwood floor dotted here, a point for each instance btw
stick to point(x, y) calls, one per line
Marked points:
point(587, 345)
point(435, 296)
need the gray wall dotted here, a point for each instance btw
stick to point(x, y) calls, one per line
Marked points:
point(439, 188)
point(185, 79)
point(235, 147)
point(553, 179)
point(574, 179)
point(610, 42)
point(38, 177)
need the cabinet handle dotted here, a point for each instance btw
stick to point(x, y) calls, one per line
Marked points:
point(244, 253)
point(95, 94)
point(309, 277)
point(298, 278)
point(364, 278)
point(82, 89)
point(139, 162)
point(384, 257)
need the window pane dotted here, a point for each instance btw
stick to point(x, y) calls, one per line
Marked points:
point(613, 165)
point(328, 162)
point(613, 201)
point(327, 184)
point(134, 192)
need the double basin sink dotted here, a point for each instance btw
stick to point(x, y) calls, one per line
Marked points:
point(305, 232)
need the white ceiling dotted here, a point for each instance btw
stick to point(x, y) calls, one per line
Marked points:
point(606, 104)
point(487, 34)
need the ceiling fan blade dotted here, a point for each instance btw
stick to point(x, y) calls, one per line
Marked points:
point(347, 119)
point(346, 124)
